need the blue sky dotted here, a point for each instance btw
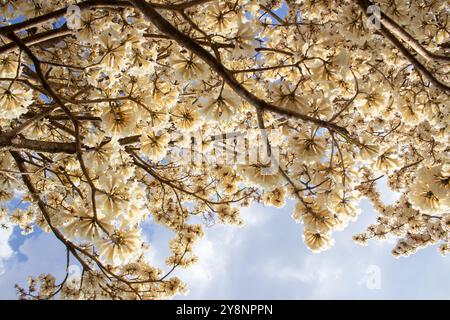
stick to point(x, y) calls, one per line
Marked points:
point(265, 259)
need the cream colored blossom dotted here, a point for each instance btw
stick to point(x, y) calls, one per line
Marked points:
point(187, 118)
point(8, 66)
point(309, 148)
point(84, 224)
point(14, 101)
point(245, 41)
point(120, 245)
point(430, 192)
point(112, 200)
point(220, 108)
point(259, 175)
point(316, 218)
point(218, 18)
point(154, 144)
point(113, 50)
point(368, 151)
point(386, 160)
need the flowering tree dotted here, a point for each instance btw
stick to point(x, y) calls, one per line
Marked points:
point(98, 97)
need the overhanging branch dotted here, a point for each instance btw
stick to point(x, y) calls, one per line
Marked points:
point(165, 27)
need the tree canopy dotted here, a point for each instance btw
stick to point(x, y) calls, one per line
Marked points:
point(116, 113)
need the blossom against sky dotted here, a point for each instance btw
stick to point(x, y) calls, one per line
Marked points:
point(266, 259)
point(151, 75)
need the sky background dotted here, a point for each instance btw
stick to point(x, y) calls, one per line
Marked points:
point(265, 259)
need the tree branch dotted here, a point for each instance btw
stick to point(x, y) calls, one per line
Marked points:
point(364, 4)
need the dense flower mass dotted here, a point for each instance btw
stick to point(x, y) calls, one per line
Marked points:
point(105, 125)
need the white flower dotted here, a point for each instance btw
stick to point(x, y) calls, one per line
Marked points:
point(14, 101)
point(102, 155)
point(112, 200)
point(88, 27)
point(245, 40)
point(83, 223)
point(317, 218)
point(114, 51)
point(119, 122)
point(154, 144)
point(218, 19)
point(186, 118)
point(188, 67)
point(317, 241)
point(120, 245)
point(309, 149)
point(8, 66)
point(285, 95)
point(257, 176)
point(372, 103)
point(221, 108)
point(368, 151)
point(387, 160)
point(430, 192)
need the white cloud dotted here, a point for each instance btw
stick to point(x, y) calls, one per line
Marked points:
point(6, 251)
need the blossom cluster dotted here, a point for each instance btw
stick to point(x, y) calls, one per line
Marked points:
point(92, 118)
